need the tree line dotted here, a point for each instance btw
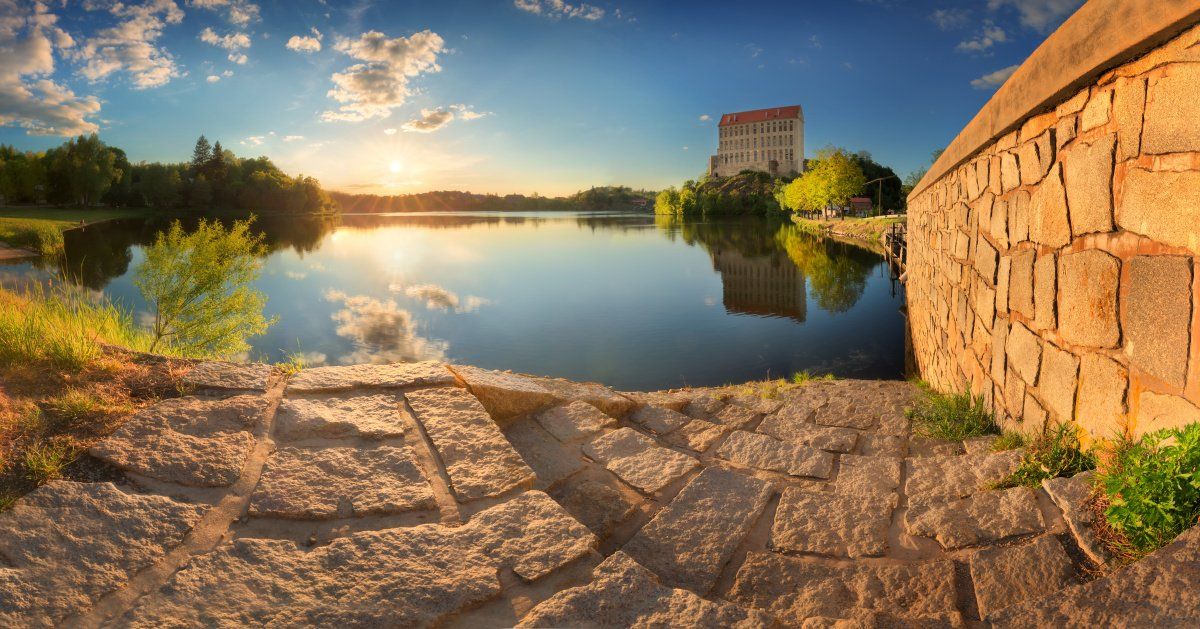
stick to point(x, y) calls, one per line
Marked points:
point(84, 171)
point(600, 198)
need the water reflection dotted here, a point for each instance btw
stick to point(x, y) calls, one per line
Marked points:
point(381, 331)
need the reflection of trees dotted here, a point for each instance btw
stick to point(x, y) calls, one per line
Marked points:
point(837, 272)
point(435, 221)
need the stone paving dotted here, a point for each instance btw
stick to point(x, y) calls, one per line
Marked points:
point(425, 494)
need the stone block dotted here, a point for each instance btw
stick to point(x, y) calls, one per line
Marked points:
point(1010, 173)
point(659, 420)
point(994, 184)
point(393, 375)
point(1024, 353)
point(999, 340)
point(1102, 386)
point(1129, 105)
point(1044, 291)
point(1073, 496)
point(839, 526)
point(600, 506)
point(985, 517)
point(985, 261)
point(574, 422)
point(637, 460)
point(1003, 278)
point(962, 245)
point(767, 453)
point(1172, 110)
point(1064, 132)
point(230, 376)
point(1018, 217)
point(1157, 316)
point(1088, 175)
point(1059, 379)
point(1048, 223)
point(1096, 112)
point(1087, 307)
point(1157, 411)
point(1020, 283)
point(868, 475)
point(1163, 205)
point(936, 479)
point(697, 435)
point(1073, 105)
point(1033, 417)
point(985, 307)
point(1031, 167)
point(1006, 576)
point(505, 395)
point(551, 460)
point(999, 225)
point(369, 415)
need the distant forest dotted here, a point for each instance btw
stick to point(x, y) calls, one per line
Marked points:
point(605, 198)
point(85, 172)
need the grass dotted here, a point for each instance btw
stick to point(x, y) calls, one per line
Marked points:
point(1151, 489)
point(45, 461)
point(1054, 453)
point(870, 229)
point(69, 217)
point(952, 417)
point(1009, 440)
point(805, 377)
point(293, 363)
point(39, 229)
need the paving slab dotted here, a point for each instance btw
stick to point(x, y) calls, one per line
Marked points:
point(867, 475)
point(531, 534)
point(552, 460)
point(658, 419)
point(190, 441)
point(704, 406)
point(625, 594)
point(751, 449)
point(870, 444)
point(940, 478)
point(393, 375)
point(697, 435)
point(1073, 496)
point(834, 525)
point(735, 417)
point(637, 460)
point(574, 422)
point(757, 403)
point(982, 518)
point(791, 428)
point(676, 401)
point(688, 543)
point(230, 376)
point(794, 589)
point(317, 483)
point(1006, 576)
point(66, 544)
point(847, 414)
point(478, 459)
point(505, 395)
point(597, 505)
point(603, 398)
point(326, 416)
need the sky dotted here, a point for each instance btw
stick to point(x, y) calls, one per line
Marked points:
point(522, 96)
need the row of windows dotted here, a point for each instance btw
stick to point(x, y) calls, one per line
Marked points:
point(774, 126)
point(754, 156)
point(753, 143)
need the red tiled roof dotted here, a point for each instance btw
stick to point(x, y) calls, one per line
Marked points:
point(761, 115)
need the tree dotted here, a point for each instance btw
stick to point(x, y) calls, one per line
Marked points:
point(198, 287)
point(200, 196)
point(159, 185)
point(80, 171)
point(830, 181)
point(201, 154)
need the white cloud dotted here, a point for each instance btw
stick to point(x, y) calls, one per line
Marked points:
point(389, 131)
point(237, 12)
point(995, 79)
point(306, 43)
point(559, 9)
point(212, 78)
point(815, 41)
point(433, 119)
point(238, 58)
point(373, 88)
point(130, 45)
point(1039, 14)
point(227, 73)
point(292, 138)
point(439, 298)
point(705, 117)
point(29, 99)
point(232, 41)
point(254, 140)
point(950, 19)
point(754, 50)
point(988, 37)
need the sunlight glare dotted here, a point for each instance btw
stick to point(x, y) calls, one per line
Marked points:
point(394, 167)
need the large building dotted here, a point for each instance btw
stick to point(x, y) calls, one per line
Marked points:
point(768, 140)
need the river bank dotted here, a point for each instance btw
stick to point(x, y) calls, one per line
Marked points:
point(866, 230)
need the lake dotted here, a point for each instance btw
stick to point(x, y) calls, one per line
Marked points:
point(623, 299)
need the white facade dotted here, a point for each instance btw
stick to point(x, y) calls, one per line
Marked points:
point(767, 140)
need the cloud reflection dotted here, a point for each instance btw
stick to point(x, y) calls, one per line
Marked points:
point(439, 298)
point(382, 331)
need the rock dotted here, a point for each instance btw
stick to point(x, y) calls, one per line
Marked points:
point(940, 478)
point(315, 483)
point(1096, 111)
point(1161, 590)
point(791, 428)
point(674, 401)
point(65, 545)
point(1158, 411)
point(574, 422)
point(757, 404)
point(1024, 353)
point(624, 594)
point(697, 435)
point(704, 406)
point(1171, 112)
point(1157, 315)
point(735, 417)
point(366, 415)
point(659, 420)
point(847, 414)
point(767, 453)
point(1059, 379)
point(599, 506)
point(1087, 298)
point(394, 375)
point(867, 475)
point(230, 376)
point(688, 543)
point(531, 534)
point(840, 526)
point(794, 589)
point(1072, 496)
point(550, 459)
point(985, 517)
point(477, 457)
point(1048, 223)
point(1145, 193)
point(1006, 576)
point(1129, 105)
point(189, 441)
point(1020, 283)
point(1045, 292)
point(1088, 173)
point(978, 445)
point(638, 461)
point(1102, 386)
point(603, 398)
point(880, 445)
point(920, 447)
point(505, 395)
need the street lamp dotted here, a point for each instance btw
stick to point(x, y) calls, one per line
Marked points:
point(879, 195)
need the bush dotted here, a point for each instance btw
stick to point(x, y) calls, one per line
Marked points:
point(952, 417)
point(1152, 487)
point(1050, 455)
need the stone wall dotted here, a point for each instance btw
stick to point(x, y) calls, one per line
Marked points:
point(1053, 269)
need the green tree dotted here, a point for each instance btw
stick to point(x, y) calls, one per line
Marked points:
point(159, 186)
point(80, 171)
point(830, 182)
point(198, 286)
point(201, 154)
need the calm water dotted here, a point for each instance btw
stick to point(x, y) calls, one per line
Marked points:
point(620, 299)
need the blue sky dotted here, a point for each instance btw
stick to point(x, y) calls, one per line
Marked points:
point(505, 96)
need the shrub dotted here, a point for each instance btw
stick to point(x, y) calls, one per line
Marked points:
point(1152, 487)
point(198, 288)
point(1050, 455)
point(63, 326)
point(952, 417)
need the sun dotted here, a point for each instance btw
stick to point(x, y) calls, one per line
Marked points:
point(394, 167)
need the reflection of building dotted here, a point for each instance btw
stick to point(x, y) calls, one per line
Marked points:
point(761, 285)
point(768, 140)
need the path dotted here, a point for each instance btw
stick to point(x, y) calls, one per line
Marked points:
point(419, 494)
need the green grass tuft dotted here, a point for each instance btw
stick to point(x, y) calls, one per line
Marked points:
point(1009, 440)
point(1050, 455)
point(806, 376)
point(952, 417)
point(45, 462)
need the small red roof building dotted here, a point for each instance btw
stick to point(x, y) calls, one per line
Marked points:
point(762, 115)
